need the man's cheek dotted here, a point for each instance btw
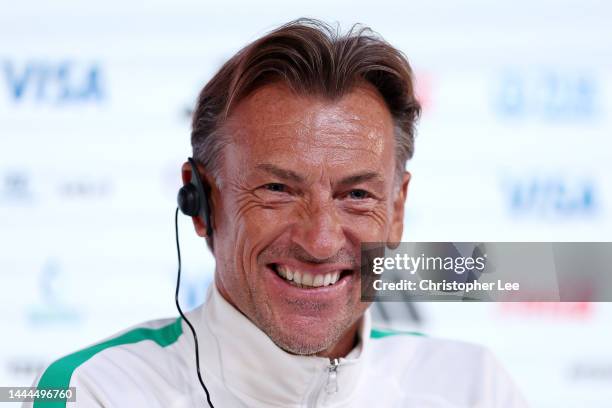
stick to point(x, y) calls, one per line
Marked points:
point(368, 228)
point(266, 224)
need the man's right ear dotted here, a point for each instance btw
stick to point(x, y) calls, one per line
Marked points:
point(199, 222)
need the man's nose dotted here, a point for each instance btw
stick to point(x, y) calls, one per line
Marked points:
point(320, 231)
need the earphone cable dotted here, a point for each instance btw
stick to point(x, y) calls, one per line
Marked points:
point(178, 306)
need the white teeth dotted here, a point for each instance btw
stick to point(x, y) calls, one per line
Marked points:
point(334, 278)
point(305, 279)
point(297, 277)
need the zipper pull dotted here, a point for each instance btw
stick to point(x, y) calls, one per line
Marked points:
point(332, 374)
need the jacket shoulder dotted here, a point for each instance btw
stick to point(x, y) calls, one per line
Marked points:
point(113, 361)
point(461, 372)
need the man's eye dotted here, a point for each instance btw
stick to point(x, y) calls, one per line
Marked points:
point(276, 187)
point(358, 194)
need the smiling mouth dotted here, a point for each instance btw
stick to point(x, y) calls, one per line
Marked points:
point(302, 279)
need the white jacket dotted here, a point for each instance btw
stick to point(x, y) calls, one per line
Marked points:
point(153, 366)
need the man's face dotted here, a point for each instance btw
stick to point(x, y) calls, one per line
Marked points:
point(304, 181)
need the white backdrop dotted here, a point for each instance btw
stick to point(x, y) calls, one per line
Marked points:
point(514, 144)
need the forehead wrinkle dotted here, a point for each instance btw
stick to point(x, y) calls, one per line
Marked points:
point(319, 140)
point(319, 120)
point(324, 134)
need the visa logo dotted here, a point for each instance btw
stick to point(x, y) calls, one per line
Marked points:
point(53, 82)
point(551, 196)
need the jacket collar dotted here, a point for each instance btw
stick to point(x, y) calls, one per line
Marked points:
point(250, 365)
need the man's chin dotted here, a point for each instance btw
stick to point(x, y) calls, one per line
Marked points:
point(300, 345)
point(305, 321)
point(307, 336)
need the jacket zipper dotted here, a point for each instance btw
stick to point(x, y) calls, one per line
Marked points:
point(332, 376)
point(330, 384)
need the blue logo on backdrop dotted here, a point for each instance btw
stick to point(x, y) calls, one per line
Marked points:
point(85, 188)
point(51, 307)
point(547, 95)
point(56, 83)
point(551, 197)
point(16, 187)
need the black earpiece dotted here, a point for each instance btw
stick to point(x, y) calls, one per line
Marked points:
point(192, 201)
point(193, 198)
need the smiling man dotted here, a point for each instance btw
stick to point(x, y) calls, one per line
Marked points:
point(301, 141)
point(305, 179)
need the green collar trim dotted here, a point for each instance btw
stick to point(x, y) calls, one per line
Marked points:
point(380, 333)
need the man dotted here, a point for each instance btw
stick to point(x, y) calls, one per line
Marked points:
point(301, 141)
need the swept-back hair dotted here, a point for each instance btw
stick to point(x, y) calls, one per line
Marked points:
point(312, 58)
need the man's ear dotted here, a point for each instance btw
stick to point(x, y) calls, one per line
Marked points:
point(198, 222)
point(397, 218)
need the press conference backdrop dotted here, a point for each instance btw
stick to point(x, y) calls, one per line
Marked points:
point(95, 101)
